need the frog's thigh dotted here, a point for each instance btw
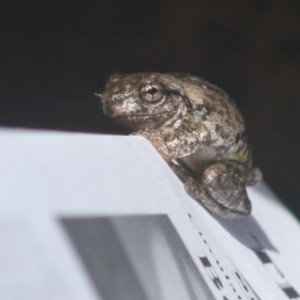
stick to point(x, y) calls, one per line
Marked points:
point(222, 190)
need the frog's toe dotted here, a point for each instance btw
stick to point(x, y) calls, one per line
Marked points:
point(254, 177)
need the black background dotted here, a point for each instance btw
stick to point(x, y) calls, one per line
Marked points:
point(54, 54)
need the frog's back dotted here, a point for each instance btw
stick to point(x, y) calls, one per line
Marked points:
point(214, 108)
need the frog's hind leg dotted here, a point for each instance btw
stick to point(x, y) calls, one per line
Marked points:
point(222, 190)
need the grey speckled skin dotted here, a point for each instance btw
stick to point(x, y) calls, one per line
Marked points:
point(198, 130)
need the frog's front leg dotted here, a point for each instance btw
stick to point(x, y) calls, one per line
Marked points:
point(180, 139)
point(157, 141)
point(222, 190)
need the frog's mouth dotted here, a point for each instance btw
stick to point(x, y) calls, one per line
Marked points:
point(111, 113)
point(151, 115)
point(143, 121)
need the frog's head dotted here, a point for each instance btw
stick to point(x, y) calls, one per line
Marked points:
point(140, 101)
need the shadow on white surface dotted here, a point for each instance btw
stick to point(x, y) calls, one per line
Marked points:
point(136, 257)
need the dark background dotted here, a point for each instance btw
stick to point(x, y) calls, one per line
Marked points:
point(53, 55)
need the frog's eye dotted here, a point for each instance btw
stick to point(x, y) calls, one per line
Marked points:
point(152, 91)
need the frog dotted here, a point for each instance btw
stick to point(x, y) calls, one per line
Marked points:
point(198, 130)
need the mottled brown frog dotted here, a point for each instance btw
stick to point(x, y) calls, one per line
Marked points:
point(197, 129)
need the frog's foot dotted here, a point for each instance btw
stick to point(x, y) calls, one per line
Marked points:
point(254, 177)
point(155, 138)
point(222, 190)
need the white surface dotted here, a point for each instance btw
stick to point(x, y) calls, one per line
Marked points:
point(47, 175)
